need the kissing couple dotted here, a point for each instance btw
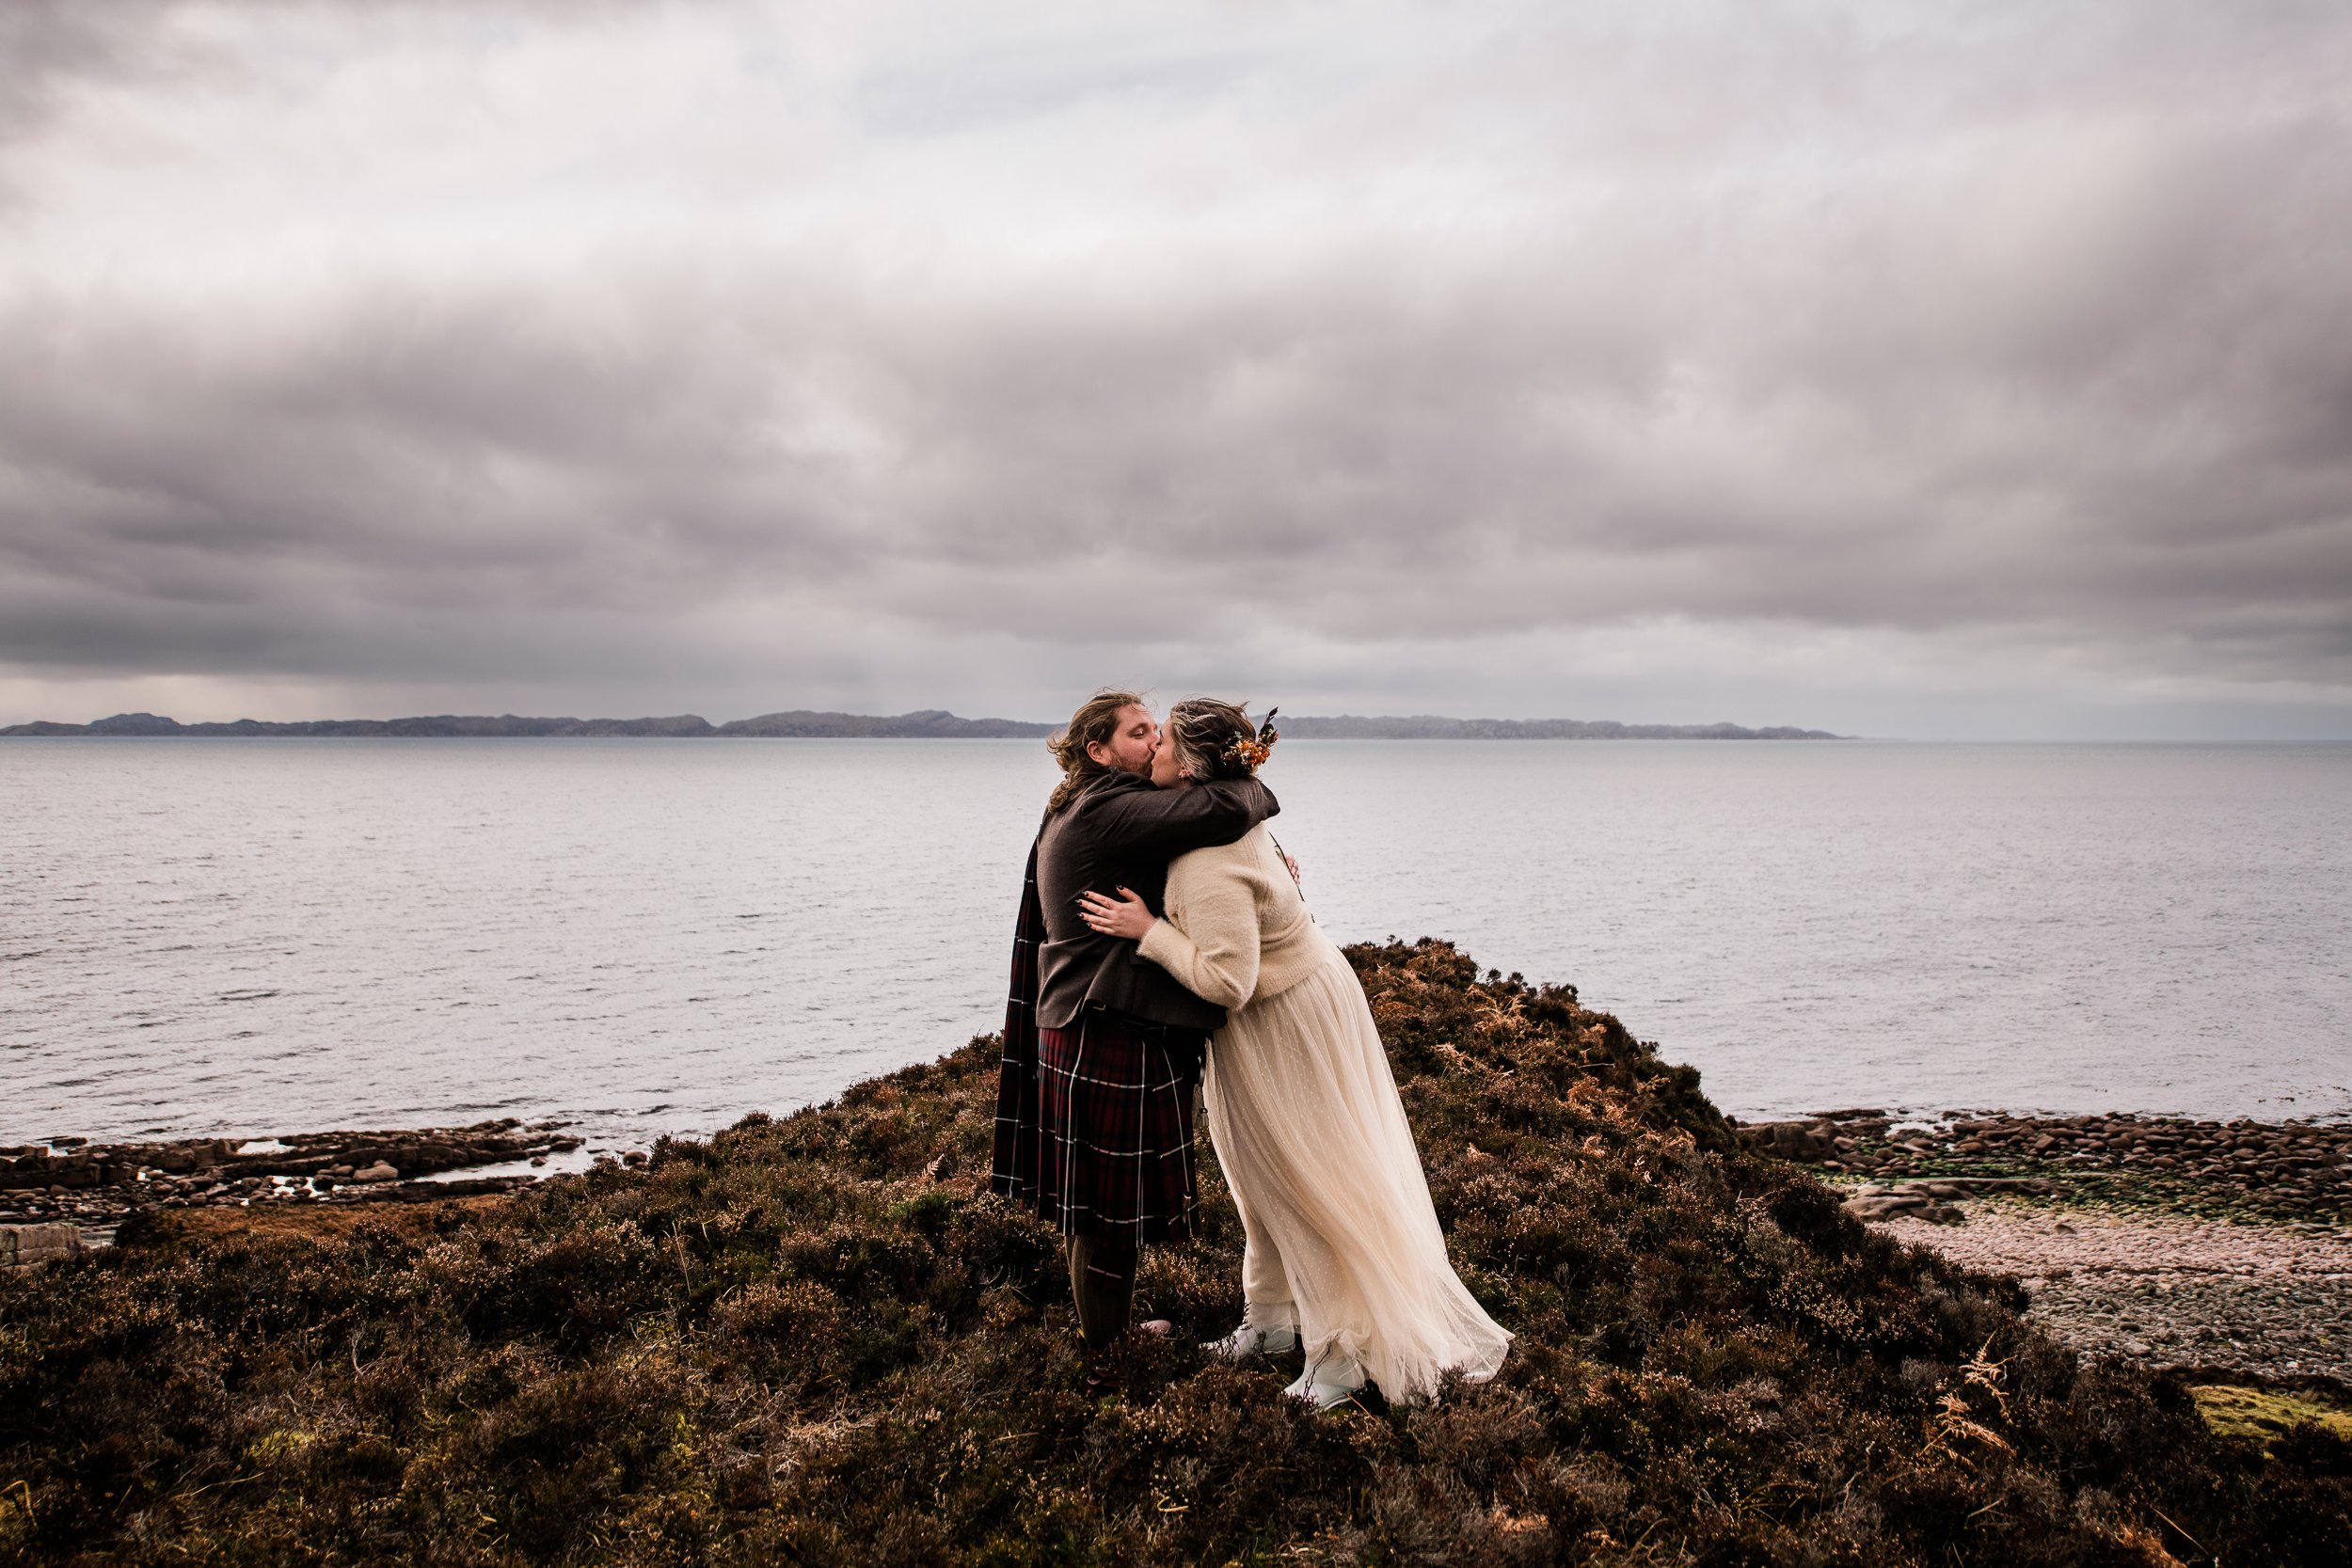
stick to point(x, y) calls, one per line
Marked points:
point(1162, 951)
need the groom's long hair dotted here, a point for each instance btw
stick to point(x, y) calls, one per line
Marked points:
point(1095, 722)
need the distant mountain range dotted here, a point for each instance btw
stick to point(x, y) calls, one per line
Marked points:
point(1430, 727)
point(929, 723)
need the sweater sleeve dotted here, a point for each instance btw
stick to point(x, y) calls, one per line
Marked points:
point(1213, 954)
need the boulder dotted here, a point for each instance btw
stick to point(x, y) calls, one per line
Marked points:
point(477, 1186)
point(24, 1245)
point(1792, 1140)
point(376, 1172)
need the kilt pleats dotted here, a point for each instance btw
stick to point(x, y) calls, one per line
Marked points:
point(1094, 1122)
point(1115, 1103)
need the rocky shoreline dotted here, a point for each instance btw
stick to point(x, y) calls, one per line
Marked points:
point(2265, 1170)
point(2212, 1249)
point(94, 1188)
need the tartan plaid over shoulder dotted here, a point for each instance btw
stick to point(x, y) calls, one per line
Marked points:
point(1016, 1163)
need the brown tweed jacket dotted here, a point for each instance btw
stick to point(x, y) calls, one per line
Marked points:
point(1121, 832)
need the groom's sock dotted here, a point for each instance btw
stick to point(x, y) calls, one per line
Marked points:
point(1102, 1285)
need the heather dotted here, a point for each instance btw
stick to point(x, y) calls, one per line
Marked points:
point(818, 1339)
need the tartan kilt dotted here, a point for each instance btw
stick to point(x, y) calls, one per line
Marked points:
point(1115, 1097)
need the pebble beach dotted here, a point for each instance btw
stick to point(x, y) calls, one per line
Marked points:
point(2266, 1300)
point(2219, 1249)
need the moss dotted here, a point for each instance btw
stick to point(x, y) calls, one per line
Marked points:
point(2262, 1415)
point(812, 1339)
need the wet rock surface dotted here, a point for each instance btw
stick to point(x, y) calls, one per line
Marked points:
point(93, 1188)
point(2215, 1247)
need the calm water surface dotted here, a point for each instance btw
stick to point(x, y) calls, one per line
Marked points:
point(258, 936)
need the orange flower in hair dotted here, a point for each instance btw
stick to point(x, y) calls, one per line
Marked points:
point(1250, 753)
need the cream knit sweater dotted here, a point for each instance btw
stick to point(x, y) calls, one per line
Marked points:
point(1236, 930)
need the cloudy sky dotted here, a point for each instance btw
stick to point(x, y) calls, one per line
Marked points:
point(1959, 371)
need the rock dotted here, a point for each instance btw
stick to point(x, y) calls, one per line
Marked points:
point(376, 1172)
point(479, 1186)
point(24, 1245)
point(1792, 1140)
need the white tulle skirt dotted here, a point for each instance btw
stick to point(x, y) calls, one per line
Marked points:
point(1313, 1142)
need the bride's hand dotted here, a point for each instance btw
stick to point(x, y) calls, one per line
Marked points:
point(1126, 916)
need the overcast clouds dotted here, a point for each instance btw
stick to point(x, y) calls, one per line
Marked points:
point(1960, 371)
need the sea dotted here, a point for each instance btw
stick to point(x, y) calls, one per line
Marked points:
point(251, 937)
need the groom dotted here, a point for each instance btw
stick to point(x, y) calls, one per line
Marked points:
point(1103, 1048)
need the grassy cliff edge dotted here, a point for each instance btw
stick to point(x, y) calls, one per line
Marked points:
point(800, 1342)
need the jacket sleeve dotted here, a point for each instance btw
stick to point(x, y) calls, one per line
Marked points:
point(1214, 954)
point(1155, 823)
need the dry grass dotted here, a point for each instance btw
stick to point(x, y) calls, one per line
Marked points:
point(169, 1227)
point(800, 1342)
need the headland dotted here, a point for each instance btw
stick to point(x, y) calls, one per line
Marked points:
point(818, 1337)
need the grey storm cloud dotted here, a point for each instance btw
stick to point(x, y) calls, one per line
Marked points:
point(414, 344)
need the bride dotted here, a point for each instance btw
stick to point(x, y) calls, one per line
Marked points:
point(1343, 1254)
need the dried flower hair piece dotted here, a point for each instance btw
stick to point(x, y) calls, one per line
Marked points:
point(1249, 753)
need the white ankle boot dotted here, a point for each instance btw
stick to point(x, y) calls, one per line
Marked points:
point(1333, 1381)
point(1254, 1340)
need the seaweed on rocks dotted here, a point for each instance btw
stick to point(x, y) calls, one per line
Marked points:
point(2295, 1171)
point(818, 1338)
